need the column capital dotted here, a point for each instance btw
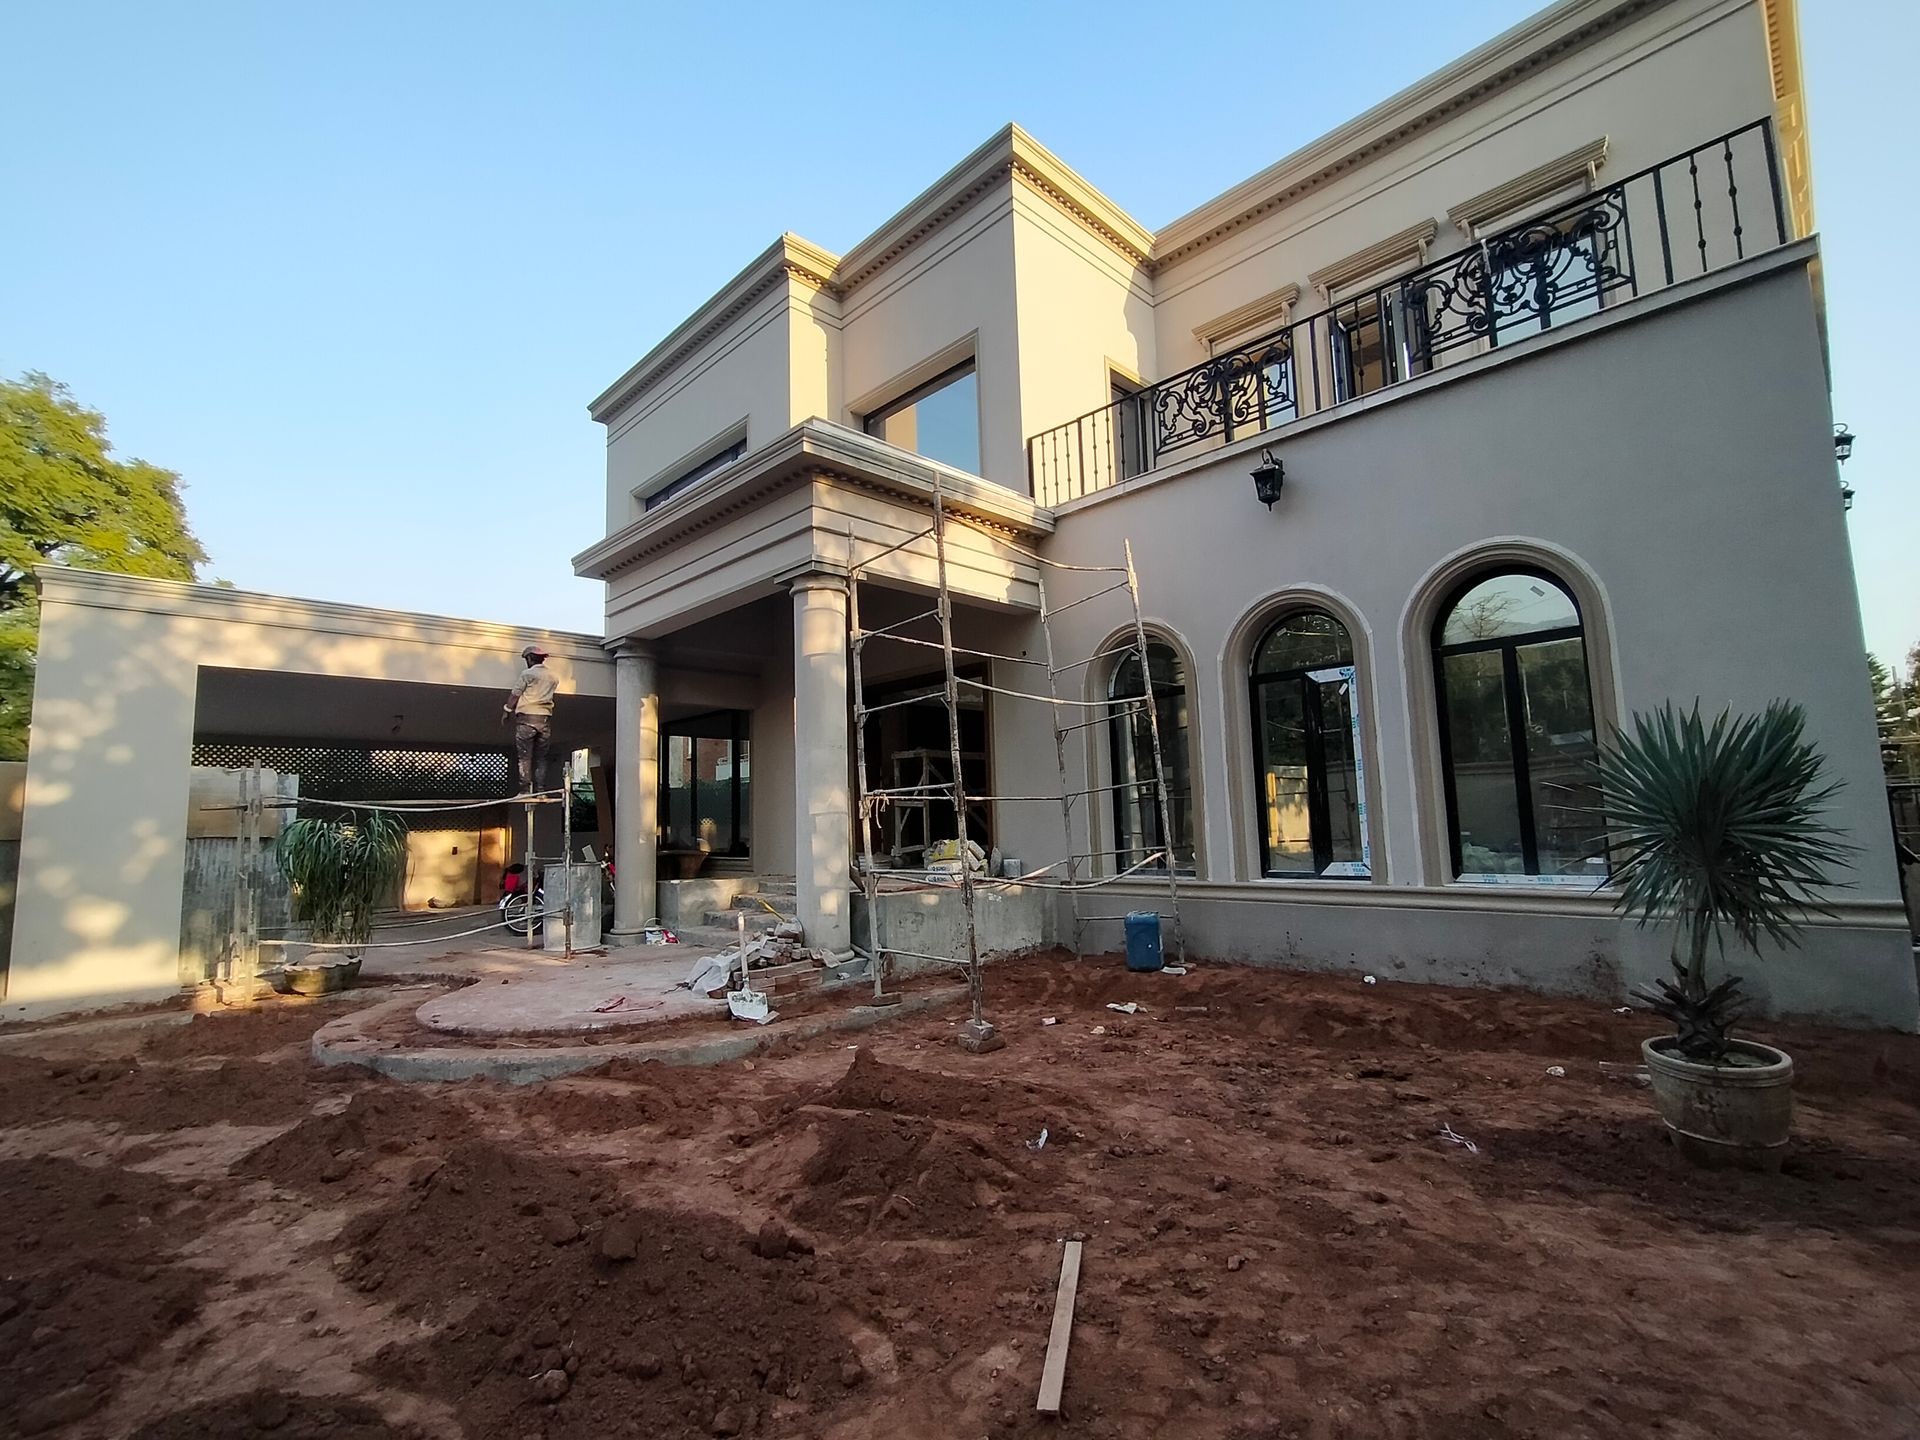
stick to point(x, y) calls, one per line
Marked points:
point(632, 648)
point(818, 579)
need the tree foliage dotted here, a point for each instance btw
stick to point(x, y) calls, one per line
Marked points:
point(66, 500)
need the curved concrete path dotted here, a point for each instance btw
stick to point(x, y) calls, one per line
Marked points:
point(351, 1040)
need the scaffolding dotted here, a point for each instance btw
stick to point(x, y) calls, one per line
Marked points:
point(1064, 875)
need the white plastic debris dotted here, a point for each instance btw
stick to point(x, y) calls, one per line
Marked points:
point(1099, 1030)
point(1132, 1007)
point(1173, 969)
point(1041, 1143)
point(1623, 1009)
point(1051, 1020)
point(1368, 980)
point(1447, 1134)
point(1559, 1072)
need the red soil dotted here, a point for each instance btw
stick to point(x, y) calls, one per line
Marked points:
point(1280, 1239)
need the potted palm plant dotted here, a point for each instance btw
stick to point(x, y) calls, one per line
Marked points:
point(1716, 828)
point(339, 867)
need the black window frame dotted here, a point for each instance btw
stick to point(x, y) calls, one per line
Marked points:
point(1319, 815)
point(694, 474)
point(1119, 726)
point(1513, 695)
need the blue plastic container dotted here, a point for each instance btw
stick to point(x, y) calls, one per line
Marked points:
point(1143, 940)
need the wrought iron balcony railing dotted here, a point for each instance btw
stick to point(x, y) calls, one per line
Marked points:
point(1570, 263)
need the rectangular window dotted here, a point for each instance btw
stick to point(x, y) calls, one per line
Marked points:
point(940, 420)
point(711, 465)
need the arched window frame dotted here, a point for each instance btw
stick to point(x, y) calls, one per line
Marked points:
point(1105, 760)
point(1253, 679)
point(1462, 580)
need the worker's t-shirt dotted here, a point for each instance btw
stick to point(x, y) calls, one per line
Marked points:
point(534, 694)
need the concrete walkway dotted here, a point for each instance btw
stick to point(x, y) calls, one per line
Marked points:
point(582, 995)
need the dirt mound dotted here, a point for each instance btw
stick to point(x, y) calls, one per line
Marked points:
point(87, 1286)
point(275, 1413)
point(555, 1299)
point(240, 1033)
point(627, 1094)
point(143, 1097)
point(344, 1150)
point(1008, 1107)
point(863, 1173)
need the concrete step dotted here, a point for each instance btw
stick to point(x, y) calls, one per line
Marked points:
point(775, 885)
point(757, 903)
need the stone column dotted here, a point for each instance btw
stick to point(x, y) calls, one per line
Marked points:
point(636, 786)
point(823, 838)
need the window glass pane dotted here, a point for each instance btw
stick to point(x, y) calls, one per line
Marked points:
point(1307, 640)
point(1342, 770)
point(1560, 754)
point(1504, 605)
point(1486, 800)
point(943, 424)
point(1135, 804)
point(1286, 823)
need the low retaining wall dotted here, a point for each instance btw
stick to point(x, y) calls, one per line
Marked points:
point(934, 922)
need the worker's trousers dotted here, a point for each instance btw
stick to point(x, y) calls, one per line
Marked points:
point(530, 736)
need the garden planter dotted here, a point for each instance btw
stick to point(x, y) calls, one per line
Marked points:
point(1737, 1114)
point(322, 977)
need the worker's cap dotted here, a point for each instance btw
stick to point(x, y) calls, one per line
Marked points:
point(533, 652)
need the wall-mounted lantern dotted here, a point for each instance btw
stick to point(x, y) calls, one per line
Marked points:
point(1842, 452)
point(1268, 476)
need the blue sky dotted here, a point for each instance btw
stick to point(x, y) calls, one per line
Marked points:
point(354, 270)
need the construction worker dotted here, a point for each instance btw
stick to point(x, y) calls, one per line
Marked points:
point(531, 706)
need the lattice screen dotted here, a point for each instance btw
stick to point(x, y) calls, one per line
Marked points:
point(347, 772)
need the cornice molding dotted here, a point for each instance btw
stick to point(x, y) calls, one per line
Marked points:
point(789, 257)
point(1790, 110)
point(1542, 180)
point(1496, 66)
point(812, 450)
point(1408, 245)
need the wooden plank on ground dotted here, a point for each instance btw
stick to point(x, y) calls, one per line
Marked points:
point(1053, 1375)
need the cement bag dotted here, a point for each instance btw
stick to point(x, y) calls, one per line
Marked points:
point(715, 972)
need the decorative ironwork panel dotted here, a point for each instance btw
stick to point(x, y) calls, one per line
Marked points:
point(360, 772)
point(1562, 266)
point(1238, 393)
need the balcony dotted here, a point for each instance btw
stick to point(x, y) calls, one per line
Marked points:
point(1700, 211)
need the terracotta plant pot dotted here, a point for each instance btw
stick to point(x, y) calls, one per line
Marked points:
point(1725, 1115)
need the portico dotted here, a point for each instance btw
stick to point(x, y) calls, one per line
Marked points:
point(734, 596)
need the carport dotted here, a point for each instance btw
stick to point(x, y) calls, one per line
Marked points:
point(140, 679)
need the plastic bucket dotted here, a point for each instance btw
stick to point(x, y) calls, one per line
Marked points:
point(1143, 940)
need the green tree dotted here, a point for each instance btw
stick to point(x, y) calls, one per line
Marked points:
point(65, 500)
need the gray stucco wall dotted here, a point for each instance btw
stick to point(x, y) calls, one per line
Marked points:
point(1676, 467)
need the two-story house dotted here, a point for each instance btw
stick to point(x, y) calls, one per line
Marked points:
point(1536, 346)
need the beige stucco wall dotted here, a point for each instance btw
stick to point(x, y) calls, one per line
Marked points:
point(1684, 74)
point(743, 375)
point(953, 292)
point(1084, 311)
point(98, 914)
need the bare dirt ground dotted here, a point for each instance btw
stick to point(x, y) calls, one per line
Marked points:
point(202, 1235)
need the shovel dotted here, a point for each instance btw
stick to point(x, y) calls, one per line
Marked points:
point(747, 1003)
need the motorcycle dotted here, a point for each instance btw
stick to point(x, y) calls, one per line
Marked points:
point(515, 907)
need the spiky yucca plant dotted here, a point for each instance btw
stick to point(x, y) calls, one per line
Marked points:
point(339, 867)
point(1718, 828)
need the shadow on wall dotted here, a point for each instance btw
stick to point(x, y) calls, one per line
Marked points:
point(97, 917)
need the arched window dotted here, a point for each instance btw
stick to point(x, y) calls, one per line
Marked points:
point(1306, 749)
point(1516, 729)
point(1136, 807)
